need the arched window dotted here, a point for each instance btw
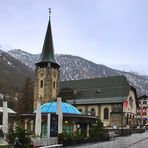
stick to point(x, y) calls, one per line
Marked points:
point(80, 110)
point(93, 112)
point(144, 102)
point(131, 101)
point(106, 113)
point(54, 84)
point(41, 84)
point(133, 117)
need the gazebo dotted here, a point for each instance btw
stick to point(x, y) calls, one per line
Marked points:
point(72, 119)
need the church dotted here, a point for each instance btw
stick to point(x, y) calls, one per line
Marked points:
point(112, 99)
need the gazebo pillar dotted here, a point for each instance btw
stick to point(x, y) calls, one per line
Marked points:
point(74, 127)
point(26, 120)
point(32, 124)
point(14, 124)
point(87, 130)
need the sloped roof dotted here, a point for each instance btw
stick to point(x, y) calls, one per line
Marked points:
point(97, 100)
point(106, 87)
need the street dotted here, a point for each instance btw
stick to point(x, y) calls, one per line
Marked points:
point(132, 141)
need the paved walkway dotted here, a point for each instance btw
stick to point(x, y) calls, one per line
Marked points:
point(133, 141)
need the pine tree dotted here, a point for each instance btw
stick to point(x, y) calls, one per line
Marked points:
point(25, 100)
point(22, 135)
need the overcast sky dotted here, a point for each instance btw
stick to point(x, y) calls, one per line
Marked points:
point(110, 32)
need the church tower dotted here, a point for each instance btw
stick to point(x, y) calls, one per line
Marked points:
point(47, 73)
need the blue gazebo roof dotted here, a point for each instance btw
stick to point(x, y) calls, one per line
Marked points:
point(51, 107)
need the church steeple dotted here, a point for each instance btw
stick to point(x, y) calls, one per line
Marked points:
point(47, 72)
point(47, 56)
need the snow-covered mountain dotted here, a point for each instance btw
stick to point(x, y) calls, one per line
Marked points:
point(13, 73)
point(26, 58)
point(74, 68)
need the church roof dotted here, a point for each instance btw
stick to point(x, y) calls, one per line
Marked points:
point(51, 107)
point(115, 89)
point(47, 55)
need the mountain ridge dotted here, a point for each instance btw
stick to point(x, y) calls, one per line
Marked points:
point(75, 68)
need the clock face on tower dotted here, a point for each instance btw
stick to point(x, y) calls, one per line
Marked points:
point(41, 72)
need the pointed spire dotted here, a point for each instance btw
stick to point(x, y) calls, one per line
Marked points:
point(47, 55)
point(49, 12)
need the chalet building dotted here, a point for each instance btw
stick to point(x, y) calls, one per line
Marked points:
point(142, 110)
point(112, 99)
